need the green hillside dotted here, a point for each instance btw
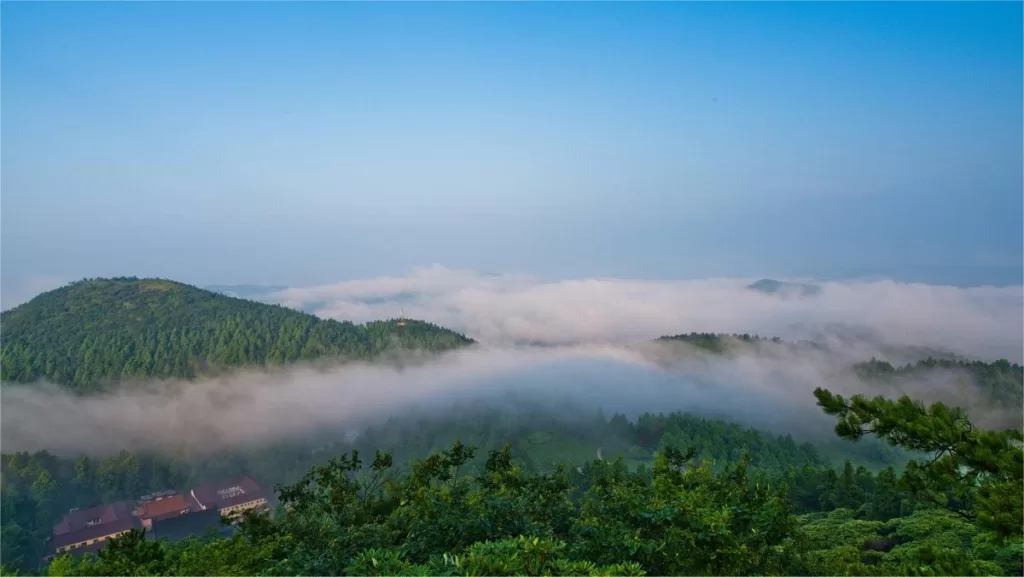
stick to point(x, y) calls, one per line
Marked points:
point(711, 499)
point(1001, 381)
point(99, 331)
point(569, 494)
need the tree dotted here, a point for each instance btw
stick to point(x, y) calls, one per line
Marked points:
point(91, 334)
point(45, 494)
point(976, 473)
point(887, 500)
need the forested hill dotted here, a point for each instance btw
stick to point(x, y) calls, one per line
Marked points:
point(99, 331)
point(999, 382)
point(736, 343)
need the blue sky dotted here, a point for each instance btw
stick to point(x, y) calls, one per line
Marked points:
point(301, 143)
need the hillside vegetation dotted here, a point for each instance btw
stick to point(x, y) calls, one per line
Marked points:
point(100, 331)
point(499, 491)
point(715, 500)
point(1000, 382)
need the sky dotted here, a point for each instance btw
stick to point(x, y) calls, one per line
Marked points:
point(304, 144)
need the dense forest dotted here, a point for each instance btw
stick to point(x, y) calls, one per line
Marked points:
point(38, 488)
point(763, 507)
point(999, 381)
point(96, 332)
point(506, 488)
point(715, 342)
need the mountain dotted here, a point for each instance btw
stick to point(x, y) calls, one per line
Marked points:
point(785, 289)
point(99, 331)
point(1001, 382)
point(994, 389)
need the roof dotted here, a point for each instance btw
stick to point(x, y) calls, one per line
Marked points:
point(78, 520)
point(95, 531)
point(181, 527)
point(167, 507)
point(228, 492)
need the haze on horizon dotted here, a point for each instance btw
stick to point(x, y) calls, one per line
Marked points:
point(302, 144)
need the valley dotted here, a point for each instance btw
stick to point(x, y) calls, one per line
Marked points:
point(465, 289)
point(99, 339)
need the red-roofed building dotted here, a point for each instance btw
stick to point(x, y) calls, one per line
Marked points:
point(231, 496)
point(165, 507)
point(90, 529)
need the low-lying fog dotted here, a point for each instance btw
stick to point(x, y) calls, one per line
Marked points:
point(770, 388)
point(588, 324)
point(985, 322)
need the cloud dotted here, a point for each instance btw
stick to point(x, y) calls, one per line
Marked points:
point(501, 309)
point(768, 387)
point(600, 355)
point(256, 407)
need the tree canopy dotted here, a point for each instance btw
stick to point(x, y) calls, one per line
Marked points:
point(491, 491)
point(100, 331)
point(684, 511)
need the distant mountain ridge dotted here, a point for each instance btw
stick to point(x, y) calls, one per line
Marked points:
point(99, 331)
point(997, 383)
point(831, 339)
point(783, 288)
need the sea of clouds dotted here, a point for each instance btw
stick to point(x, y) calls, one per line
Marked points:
point(598, 354)
point(985, 322)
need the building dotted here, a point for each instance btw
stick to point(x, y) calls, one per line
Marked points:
point(164, 505)
point(166, 514)
point(89, 530)
point(231, 497)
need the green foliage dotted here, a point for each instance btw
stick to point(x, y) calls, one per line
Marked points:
point(714, 342)
point(682, 517)
point(536, 440)
point(96, 332)
point(711, 499)
point(437, 520)
point(672, 494)
point(999, 382)
point(686, 521)
point(517, 556)
point(931, 541)
point(976, 473)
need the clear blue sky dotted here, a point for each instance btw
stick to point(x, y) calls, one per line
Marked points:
point(297, 143)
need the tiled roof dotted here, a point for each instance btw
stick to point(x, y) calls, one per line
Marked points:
point(95, 531)
point(78, 520)
point(232, 491)
point(167, 507)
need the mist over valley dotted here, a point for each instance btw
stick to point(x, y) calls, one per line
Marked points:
point(763, 382)
point(511, 288)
